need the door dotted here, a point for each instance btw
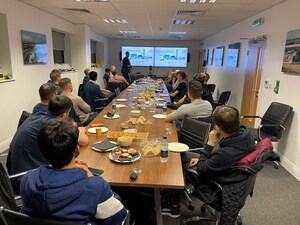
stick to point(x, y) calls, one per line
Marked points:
point(256, 49)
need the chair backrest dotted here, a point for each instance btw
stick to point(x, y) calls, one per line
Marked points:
point(16, 218)
point(23, 117)
point(211, 87)
point(117, 91)
point(224, 97)
point(277, 113)
point(112, 86)
point(80, 91)
point(194, 132)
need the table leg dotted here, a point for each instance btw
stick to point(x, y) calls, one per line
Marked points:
point(159, 220)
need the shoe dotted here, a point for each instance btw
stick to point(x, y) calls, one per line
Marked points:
point(171, 211)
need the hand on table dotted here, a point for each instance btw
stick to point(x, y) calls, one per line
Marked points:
point(84, 167)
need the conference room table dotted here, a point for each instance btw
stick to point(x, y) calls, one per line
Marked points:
point(155, 174)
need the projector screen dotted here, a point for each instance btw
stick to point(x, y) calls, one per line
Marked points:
point(232, 56)
point(170, 57)
point(139, 56)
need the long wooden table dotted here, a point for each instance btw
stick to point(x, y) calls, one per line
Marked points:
point(155, 174)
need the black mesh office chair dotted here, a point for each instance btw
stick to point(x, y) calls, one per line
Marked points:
point(23, 117)
point(223, 98)
point(224, 195)
point(272, 123)
point(211, 87)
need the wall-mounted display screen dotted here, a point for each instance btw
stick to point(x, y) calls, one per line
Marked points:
point(232, 56)
point(210, 56)
point(139, 56)
point(170, 57)
point(219, 56)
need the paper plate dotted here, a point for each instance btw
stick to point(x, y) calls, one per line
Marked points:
point(130, 89)
point(107, 150)
point(114, 117)
point(120, 106)
point(178, 147)
point(93, 130)
point(159, 116)
point(121, 100)
point(164, 95)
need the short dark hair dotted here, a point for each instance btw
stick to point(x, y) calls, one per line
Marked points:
point(195, 89)
point(107, 70)
point(57, 141)
point(46, 91)
point(54, 74)
point(227, 118)
point(59, 104)
point(64, 82)
point(93, 75)
point(126, 53)
point(181, 73)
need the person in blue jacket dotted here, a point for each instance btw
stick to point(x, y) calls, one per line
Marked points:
point(66, 189)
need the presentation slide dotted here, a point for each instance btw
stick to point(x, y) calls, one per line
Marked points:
point(232, 57)
point(170, 57)
point(139, 56)
point(218, 57)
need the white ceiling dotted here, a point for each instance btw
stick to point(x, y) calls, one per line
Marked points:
point(153, 19)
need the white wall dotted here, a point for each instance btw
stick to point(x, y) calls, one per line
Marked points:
point(278, 21)
point(193, 46)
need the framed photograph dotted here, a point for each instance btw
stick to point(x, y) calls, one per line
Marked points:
point(219, 56)
point(34, 48)
point(291, 57)
point(232, 56)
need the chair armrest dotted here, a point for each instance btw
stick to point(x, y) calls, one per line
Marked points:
point(101, 99)
point(251, 117)
point(268, 125)
point(195, 149)
point(17, 175)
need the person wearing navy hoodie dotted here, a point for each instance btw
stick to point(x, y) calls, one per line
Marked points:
point(66, 189)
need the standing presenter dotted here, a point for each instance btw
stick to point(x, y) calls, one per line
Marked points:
point(126, 66)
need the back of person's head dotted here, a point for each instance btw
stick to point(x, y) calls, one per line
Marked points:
point(57, 141)
point(199, 78)
point(59, 104)
point(195, 89)
point(113, 71)
point(87, 71)
point(227, 118)
point(182, 74)
point(93, 75)
point(46, 91)
point(107, 70)
point(126, 53)
point(55, 74)
point(64, 83)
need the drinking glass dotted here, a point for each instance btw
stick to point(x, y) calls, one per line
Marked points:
point(137, 165)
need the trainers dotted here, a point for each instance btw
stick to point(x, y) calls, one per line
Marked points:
point(171, 211)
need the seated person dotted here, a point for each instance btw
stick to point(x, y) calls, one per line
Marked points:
point(82, 109)
point(117, 78)
point(55, 77)
point(46, 92)
point(86, 76)
point(24, 153)
point(234, 142)
point(197, 108)
point(170, 79)
point(66, 189)
point(107, 76)
point(180, 90)
point(92, 91)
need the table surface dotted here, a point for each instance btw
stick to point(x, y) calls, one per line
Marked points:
point(155, 174)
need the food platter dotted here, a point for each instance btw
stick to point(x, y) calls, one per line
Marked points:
point(123, 155)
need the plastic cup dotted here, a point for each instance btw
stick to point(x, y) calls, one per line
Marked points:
point(137, 166)
point(99, 131)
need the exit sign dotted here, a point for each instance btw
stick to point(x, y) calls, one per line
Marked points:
point(257, 22)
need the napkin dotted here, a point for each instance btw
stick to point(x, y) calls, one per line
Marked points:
point(104, 145)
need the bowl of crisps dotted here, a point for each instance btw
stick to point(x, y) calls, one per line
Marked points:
point(125, 141)
point(149, 147)
point(135, 113)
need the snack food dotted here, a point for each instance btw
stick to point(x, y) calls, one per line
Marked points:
point(124, 154)
point(116, 134)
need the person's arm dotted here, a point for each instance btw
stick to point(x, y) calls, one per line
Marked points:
point(83, 105)
point(174, 93)
point(125, 81)
point(98, 92)
point(106, 92)
point(181, 100)
point(83, 138)
point(175, 115)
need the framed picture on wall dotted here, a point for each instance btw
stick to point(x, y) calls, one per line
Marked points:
point(232, 55)
point(34, 48)
point(291, 57)
point(219, 56)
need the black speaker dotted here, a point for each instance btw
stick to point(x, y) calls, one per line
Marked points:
point(120, 56)
point(204, 63)
point(188, 57)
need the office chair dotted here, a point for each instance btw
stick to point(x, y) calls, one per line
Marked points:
point(117, 91)
point(272, 123)
point(23, 117)
point(80, 91)
point(211, 88)
point(223, 98)
point(112, 86)
point(224, 195)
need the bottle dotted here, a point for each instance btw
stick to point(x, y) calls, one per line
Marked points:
point(164, 108)
point(114, 105)
point(164, 150)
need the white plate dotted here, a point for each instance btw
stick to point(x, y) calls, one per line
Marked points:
point(178, 147)
point(93, 130)
point(114, 117)
point(121, 100)
point(159, 116)
point(125, 161)
point(159, 99)
point(130, 89)
point(135, 111)
point(107, 150)
point(164, 95)
point(120, 106)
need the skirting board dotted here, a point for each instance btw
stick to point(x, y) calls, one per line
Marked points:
point(5, 145)
point(289, 166)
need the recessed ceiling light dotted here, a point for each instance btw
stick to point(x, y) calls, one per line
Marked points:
point(183, 1)
point(127, 31)
point(115, 20)
point(202, 1)
point(212, 1)
point(177, 33)
point(184, 22)
point(192, 1)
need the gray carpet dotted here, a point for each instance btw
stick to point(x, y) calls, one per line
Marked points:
point(276, 200)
